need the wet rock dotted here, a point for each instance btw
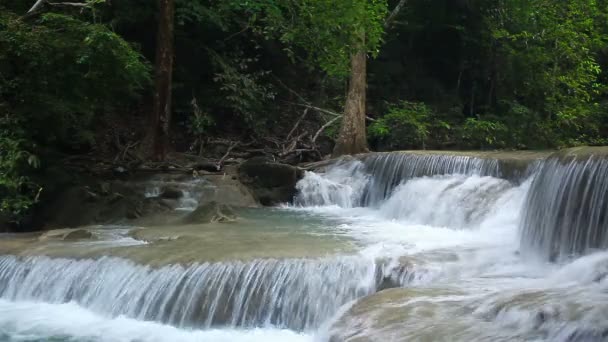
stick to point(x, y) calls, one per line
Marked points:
point(78, 234)
point(205, 166)
point(171, 193)
point(209, 213)
point(397, 273)
point(67, 235)
point(79, 206)
point(91, 196)
point(271, 183)
point(384, 316)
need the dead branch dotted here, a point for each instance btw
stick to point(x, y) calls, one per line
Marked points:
point(389, 20)
point(69, 4)
point(221, 162)
point(36, 6)
point(327, 111)
point(39, 4)
point(293, 144)
point(297, 124)
point(291, 90)
point(327, 124)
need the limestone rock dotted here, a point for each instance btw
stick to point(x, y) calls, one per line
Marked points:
point(67, 235)
point(210, 212)
point(271, 183)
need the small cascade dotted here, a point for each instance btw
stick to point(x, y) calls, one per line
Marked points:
point(567, 206)
point(297, 294)
point(371, 181)
point(343, 185)
point(389, 170)
point(455, 201)
point(192, 190)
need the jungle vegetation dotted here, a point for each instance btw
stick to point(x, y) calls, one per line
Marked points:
point(315, 77)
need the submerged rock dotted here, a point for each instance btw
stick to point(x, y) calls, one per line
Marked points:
point(399, 315)
point(209, 213)
point(67, 235)
point(271, 183)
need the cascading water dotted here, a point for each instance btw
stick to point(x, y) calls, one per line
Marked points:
point(436, 190)
point(567, 207)
point(439, 234)
point(391, 169)
point(295, 294)
point(455, 201)
point(343, 185)
point(191, 190)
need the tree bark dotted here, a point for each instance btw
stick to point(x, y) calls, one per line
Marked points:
point(353, 137)
point(161, 112)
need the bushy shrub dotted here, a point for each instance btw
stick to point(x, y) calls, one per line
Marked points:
point(406, 125)
point(480, 133)
point(57, 73)
point(17, 191)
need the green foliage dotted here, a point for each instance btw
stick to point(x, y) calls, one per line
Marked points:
point(200, 123)
point(328, 32)
point(480, 133)
point(245, 90)
point(17, 192)
point(550, 54)
point(57, 74)
point(406, 125)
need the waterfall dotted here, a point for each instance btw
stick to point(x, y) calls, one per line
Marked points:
point(343, 184)
point(295, 293)
point(455, 201)
point(370, 181)
point(391, 169)
point(565, 212)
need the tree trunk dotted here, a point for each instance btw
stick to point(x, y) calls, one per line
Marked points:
point(353, 137)
point(161, 112)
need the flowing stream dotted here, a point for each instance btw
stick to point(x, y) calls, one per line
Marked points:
point(387, 247)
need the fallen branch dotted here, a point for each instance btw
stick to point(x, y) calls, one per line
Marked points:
point(39, 4)
point(327, 111)
point(292, 145)
point(221, 162)
point(291, 90)
point(36, 6)
point(69, 4)
point(297, 124)
point(327, 124)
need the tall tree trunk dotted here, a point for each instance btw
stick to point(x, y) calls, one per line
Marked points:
point(353, 137)
point(161, 112)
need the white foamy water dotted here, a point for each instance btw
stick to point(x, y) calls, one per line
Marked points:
point(36, 321)
point(427, 213)
point(440, 234)
point(461, 223)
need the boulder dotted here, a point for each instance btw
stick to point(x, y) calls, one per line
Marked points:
point(271, 183)
point(170, 192)
point(67, 235)
point(78, 234)
point(210, 212)
point(77, 207)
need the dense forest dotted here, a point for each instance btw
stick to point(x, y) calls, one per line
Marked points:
point(136, 80)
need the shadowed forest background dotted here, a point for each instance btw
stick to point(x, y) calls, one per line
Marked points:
point(271, 77)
